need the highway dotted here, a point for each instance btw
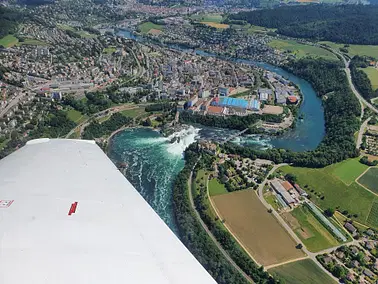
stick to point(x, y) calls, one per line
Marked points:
point(349, 76)
point(11, 104)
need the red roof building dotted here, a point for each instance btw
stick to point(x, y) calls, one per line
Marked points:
point(292, 99)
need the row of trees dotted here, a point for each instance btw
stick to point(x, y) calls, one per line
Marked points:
point(360, 78)
point(198, 242)
point(341, 111)
point(97, 130)
point(231, 122)
point(356, 24)
point(192, 234)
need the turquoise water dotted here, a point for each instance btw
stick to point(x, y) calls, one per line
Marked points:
point(152, 164)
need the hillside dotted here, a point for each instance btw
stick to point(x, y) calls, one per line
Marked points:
point(355, 24)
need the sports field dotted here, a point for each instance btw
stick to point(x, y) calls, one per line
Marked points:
point(216, 188)
point(347, 171)
point(133, 112)
point(328, 191)
point(302, 271)
point(370, 179)
point(215, 18)
point(313, 234)
point(8, 41)
point(259, 231)
point(301, 50)
point(147, 26)
point(353, 49)
point(372, 73)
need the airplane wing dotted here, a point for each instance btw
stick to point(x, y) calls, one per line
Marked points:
point(67, 215)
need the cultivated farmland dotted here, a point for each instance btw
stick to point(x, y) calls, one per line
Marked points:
point(301, 50)
point(373, 216)
point(370, 179)
point(348, 170)
point(313, 234)
point(216, 25)
point(302, 271)
point(259, 231)
point(328, 191)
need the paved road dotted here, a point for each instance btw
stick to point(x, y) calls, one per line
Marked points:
point(349, 76)
point(11, 104)
point(225, 254)
point(361, 133)
point(285, 225)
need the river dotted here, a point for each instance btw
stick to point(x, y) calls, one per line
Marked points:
point(153, 163)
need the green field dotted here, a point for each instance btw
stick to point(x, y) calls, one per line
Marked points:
point(370, 179)
point(373, 216)
point(367, 50)
point(301, 50)
point(373, 76)
point(302, 271)
point(216, 188)
point(215, 18)
point(323, 183)
point(133, 112)
point(348, 170)
point(109, 50)
point(313, 234)
point(76, 116)
point(147, 26)
point(8, 41)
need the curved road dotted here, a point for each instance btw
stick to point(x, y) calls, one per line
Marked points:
point(361, 133)
point(225, 254)
point(349, 76)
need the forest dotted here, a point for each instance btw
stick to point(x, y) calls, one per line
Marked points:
point(97, 130)
point(341, 112)
point(231, 122)
point(360, 78)
point(8, 21)
point(196, 239)
point(355, 24)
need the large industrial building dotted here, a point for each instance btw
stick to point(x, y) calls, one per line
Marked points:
point(69, 216)
point(237, 103)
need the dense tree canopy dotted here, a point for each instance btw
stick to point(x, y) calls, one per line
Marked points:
point(360, 79)
point(357, 24)
point(9, 20)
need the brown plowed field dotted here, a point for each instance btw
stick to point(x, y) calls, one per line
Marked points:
point(258, 231)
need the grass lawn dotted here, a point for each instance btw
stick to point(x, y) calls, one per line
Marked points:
point(216, 188)
point(353, 198)
point(216, 25)
point(8, 41)
point(348, 170)
point(301, 50)
point(257, 29)
point(272, 200)
point(367, 50)
point(370, 179)
point(133, 112)
point(109, 50)
point(303, 271)
point(66, 27)
point(76, 116)
point(373, 76)
point(147, 26)
point(215, 18)
point(313, 234)
point(31, 41)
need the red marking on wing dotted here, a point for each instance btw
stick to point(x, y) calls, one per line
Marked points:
point(72, 208)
